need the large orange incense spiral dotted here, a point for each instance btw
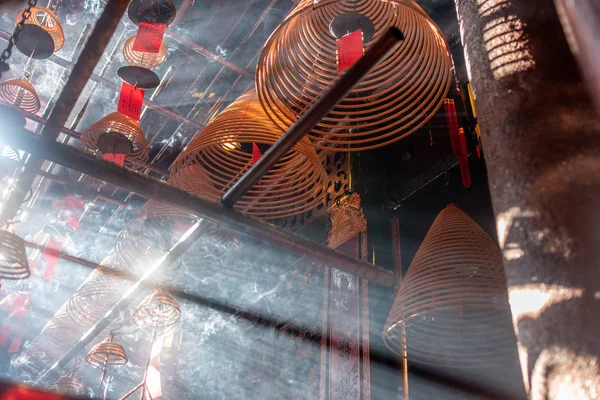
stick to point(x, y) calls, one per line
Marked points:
point(298, 65)
point(47, 20)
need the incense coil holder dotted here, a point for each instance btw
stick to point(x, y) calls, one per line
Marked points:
point(122, 126)
point(69, 385)
point(219, 155)
point(298, 64)
point(106, 353)
point(13, 261)
point(141, 58)
point(47, 20)
point(158, 310)
point(452, 309)
point(20, 94)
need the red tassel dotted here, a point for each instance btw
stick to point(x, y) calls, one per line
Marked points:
point(50, 255)
point(452, 122)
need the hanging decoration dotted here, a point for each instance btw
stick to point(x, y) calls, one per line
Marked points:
point(117, 134)
point(458, 141)
point(349, 50)
point(143, 59)
point(13, 257)
point(131, 100)
point(219, 155)
point(300, 62)
point(452, 308)
point(149, 38)
point(69, 385)
point(105, 354)
point(46, 19)
point(20, 94)
point(347, 220)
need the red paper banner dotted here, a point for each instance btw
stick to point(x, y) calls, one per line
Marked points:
point(149, 37)
point(50, 255)
point(130, 101)
point(116, 158)
point(16, 343)
point(349, 50)
point(20, 305)
point(4, 331)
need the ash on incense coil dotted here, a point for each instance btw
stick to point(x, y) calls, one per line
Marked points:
point(299, 63)
point(69, 385)
point(119, 134)
point(347, 220)
point(141, 58)
point(452, 308)
point(47, 20)
point(106, 353)
point(20, 94)
point(13, 257)
point(219, 155)
point(96, 294)
point(158, 310)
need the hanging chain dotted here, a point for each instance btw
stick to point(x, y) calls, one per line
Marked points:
point(11, 42)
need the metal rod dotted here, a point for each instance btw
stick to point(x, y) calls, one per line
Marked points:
point(337, 92)
point(157, 190)
point(80, 74)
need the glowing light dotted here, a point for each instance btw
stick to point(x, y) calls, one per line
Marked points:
point(230, 146)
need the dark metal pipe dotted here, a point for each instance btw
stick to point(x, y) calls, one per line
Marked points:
point(337, 92)
point(80, 74)
point(157, 190)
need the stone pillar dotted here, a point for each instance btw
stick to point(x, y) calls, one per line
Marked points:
point(542, 146)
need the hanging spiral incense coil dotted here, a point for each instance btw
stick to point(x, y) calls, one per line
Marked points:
point(45, 19)
point(219, 155)
point(158, 310)
point(20, 94)
point(69, 385)
point(141, 58)
point(79, 177)
point(13, 257)
point(106, 353)
point(96, 294)
point(11, 153)
point(117, 133)
point(298, 64)
point(452, 308)
point(347, 220)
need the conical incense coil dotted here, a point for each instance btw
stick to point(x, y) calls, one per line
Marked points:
point(69, 385)
point(120, 134)
point(45, 19)
point(90, 302)
point(347, 220)
point(158, 310)
point(452, 308)
point(20, 94)
point(219, 155)
point(106, 353)
point(13, 257)
point(141, 58)
point(299, 63)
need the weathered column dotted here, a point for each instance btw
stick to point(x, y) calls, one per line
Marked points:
point(542, 145)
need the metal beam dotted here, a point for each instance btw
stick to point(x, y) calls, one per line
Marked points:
point(315, 113)
point(157, 190)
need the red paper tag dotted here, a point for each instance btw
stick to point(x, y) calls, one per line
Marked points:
point(256, 155)
point(149, 37)
point(349, 50)
point(130, 101)
point(16, 343)
point(116, 158)
point(50, 255)
point(20, 305)
point(4, 331)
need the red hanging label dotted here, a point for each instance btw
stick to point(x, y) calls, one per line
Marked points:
point(349, 50)
point(256, 155)
point(149, 37)
point(130, 101)
point(20, 305)
point(50, 255)
point(16, 343)
point(4, 331)
point(116, 158)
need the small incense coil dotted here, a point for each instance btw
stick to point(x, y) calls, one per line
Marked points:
point(118, 124)
point(79, 177)
point(69, 385)
point(13, 257)
point(398, 96)
point(158, 310)
point(20, 94)
point(347, 220)
point(47, 20)
point(452, 309)
point(218, 156)
point(11, 153)
point(96, 295)
point(106, 353)
point(141, 58)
